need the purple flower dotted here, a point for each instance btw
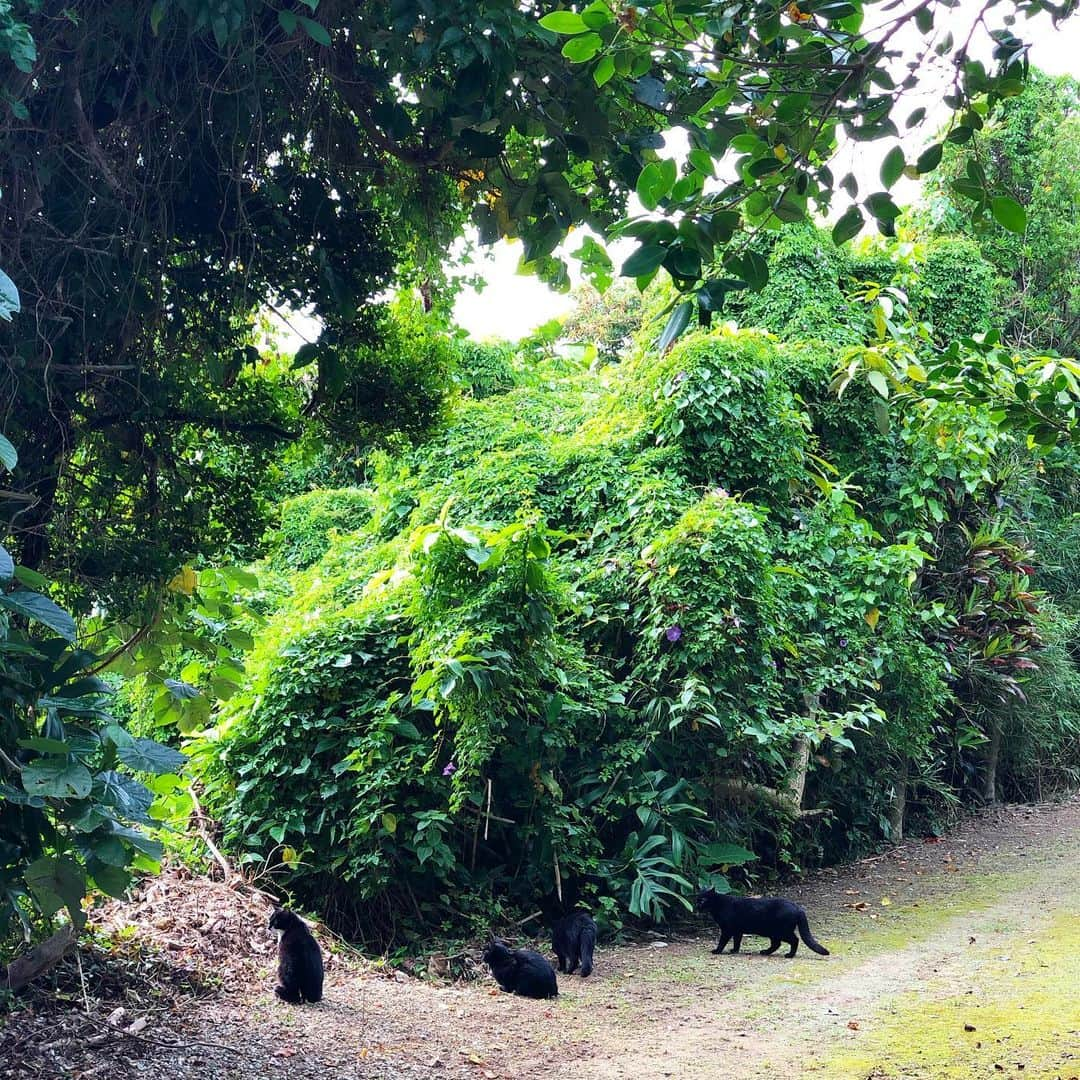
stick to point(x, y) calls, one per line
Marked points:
point(843, 643)
point(450, 769)
point(673, 633)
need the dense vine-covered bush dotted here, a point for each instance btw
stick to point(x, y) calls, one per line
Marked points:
point(304, 533)
point(609, 627)
point(752, 601)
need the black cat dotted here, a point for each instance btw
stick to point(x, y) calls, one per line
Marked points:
point(521, 971)
point(300, 966)
point(771, 917)
point(574, 938)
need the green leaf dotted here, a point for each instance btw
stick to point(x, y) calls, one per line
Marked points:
point(849, 225)
point(125, 794)
point(287, 21)
point(677, 322)
point(56, 882)
point(882, 207)
point(878, 381)
point(655, 182)
point(111, 880)
point(9, 456)
point(146, 755)
point(726, 855)
point(31, 578)
point(579, 49)
point(157, 13)
point(57, 778)
point(929, 159)
point(892, 167)
point(9, 305)
point(45, 746)
point(1009, 214)
point(389, 823)
point(596, 15)
point(316, 31)
point(7, 564)
point(752, 268)
point(605, 69)
point(644, 261)
point(564, 22)
point(703, 162)
point(180, 690)
point(40, 609)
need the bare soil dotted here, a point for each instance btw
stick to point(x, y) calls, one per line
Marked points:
point(957, 957)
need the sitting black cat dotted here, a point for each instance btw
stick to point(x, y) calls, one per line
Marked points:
point(521, 971)
point(300, 966)
point(771, 917)
point(574, 938)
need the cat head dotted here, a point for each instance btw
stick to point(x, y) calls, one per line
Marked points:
point(282, 919)
point(496, 950)
point(705, 898)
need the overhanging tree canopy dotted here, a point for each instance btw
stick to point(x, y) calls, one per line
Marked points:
point(168, 168)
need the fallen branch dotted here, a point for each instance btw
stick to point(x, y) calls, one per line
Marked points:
point(743, 791)
point(170, 1045)
point(24, 969)
point(200, 824)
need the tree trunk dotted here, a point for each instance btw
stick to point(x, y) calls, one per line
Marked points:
point(898, 803)
point(24, 969)
point(795, 781)
point(993, 752)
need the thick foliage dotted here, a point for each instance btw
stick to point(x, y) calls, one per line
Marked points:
point(491, 710)
point(1032, 150)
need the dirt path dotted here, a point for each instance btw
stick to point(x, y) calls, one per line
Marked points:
point(958, 958)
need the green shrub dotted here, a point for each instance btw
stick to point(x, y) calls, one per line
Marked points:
point(723, 400)
point(307, 522)
point(485, 369)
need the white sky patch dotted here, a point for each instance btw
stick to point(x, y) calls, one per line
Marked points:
point(511, 305)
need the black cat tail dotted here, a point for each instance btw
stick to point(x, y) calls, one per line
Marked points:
point(588, 943)
point(808, 938)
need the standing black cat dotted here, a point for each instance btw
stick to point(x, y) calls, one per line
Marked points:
point(574, 938)
point(300, 966)
point(771, 917)
point(521, 971)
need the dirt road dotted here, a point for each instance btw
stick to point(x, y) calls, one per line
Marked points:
point(956, 958)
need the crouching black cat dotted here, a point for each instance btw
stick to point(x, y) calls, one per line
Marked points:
point(521, 971)
point(574, 938)
point(300, 966)
point(771, 917)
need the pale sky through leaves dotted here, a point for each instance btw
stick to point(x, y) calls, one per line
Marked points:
point(511, 305)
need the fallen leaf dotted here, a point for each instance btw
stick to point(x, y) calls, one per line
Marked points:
point(862, 905)
point(886, 902)
point(853, 1024)
point(969, 1027)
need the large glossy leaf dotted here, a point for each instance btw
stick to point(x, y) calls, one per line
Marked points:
point(56, 882)
point(40, 609)
point(644, 261)
point(677, 322)
point(9, 301)
point(146, 755)
point(110, 879)
point(126, 795)
point(59, 778)
point(1009, 214)
point(726, 855)
point(849, 225)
